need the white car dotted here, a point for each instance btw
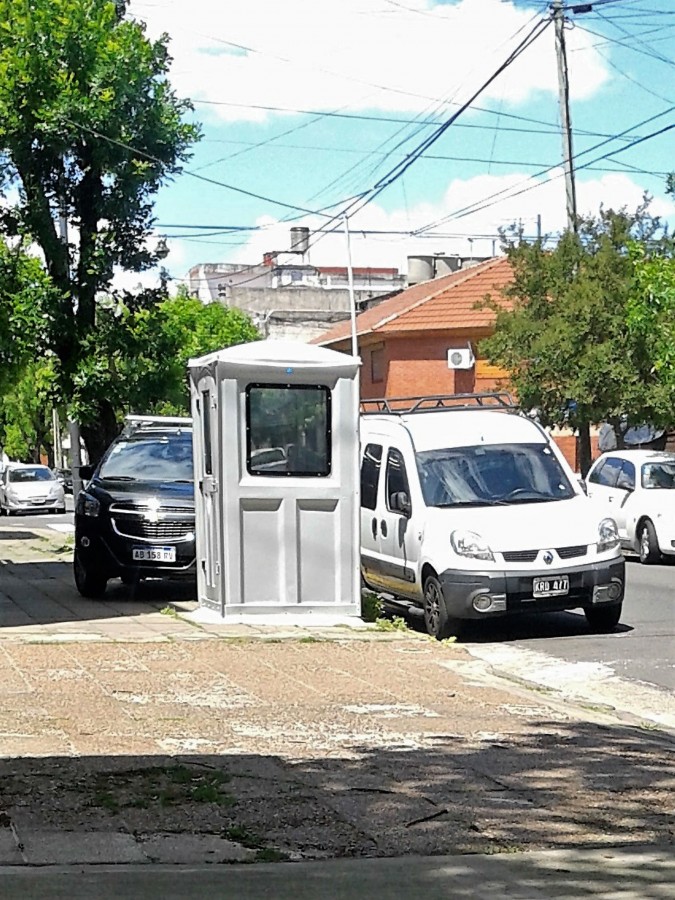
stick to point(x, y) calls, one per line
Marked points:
point(637, 488)
point(30, 488)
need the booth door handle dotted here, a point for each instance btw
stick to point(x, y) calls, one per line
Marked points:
point(383, 528)
point(373, 527)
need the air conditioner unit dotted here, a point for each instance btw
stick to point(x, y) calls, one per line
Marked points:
point(461, 358)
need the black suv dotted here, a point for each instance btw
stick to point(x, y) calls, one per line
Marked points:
point(135, 517)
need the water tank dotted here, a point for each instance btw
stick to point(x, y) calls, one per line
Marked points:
point(445, 265)
point(420, 268)
point(300, 239)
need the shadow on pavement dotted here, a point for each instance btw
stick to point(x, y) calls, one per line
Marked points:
point(561, 785)
point(525, 626)
point(44, 593)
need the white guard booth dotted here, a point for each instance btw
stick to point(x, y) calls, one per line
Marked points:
point(276, 451)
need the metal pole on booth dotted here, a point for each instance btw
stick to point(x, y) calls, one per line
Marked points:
point(350, 280)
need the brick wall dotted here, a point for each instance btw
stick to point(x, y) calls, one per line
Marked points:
point(418, 366)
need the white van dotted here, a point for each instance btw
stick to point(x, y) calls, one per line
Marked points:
point(470, 510)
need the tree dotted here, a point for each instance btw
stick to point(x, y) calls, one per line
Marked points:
point(89, 130)
point(137, 356)
point(26, 413)
point(566, 341)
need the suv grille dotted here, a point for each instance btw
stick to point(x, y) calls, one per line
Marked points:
point(173, 523)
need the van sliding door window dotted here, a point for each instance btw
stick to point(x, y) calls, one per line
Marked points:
point(397, 478)
point(288, 430)
point(370, 475)
point(206, 433)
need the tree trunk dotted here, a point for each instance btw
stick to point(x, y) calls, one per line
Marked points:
point(97, 436)
point(584, 448)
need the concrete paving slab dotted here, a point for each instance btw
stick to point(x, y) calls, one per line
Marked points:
point(10, 855)
point(193, 849)
point(67, 848)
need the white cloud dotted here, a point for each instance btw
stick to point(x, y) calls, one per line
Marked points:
point(325, 55)
point(461, 235)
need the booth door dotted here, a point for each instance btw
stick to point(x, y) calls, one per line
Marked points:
point(209, 490)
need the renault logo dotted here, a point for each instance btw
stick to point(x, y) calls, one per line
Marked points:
point(548, 557)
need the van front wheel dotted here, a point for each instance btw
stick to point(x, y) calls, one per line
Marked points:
point(436, 619)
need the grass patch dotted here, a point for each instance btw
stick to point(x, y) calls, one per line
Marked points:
point(372, 606)
point(169, 611)
point(243, 836)
point(269, 854)
point(396, 623)
point(159, 787)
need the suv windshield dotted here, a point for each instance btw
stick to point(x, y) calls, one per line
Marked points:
point(150, 458)
point(492, 474)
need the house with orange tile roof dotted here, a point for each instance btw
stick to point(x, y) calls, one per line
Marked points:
point(404, 342)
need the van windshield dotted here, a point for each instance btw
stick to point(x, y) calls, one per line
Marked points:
point(492, 474)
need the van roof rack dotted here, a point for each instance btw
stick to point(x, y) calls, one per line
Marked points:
point(403, 406)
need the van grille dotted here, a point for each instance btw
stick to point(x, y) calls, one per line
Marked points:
point(531, 555)
point(520, 555)
point(571, 552)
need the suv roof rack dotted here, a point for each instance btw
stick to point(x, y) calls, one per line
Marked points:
point(401, 406)
point(134, 423)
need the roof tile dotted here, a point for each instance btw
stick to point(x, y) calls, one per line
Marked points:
point(450, 302)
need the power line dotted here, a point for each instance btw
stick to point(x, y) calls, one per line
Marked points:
point(213, 181)
point(364, 117)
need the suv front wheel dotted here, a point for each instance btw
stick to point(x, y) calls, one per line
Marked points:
point(89, 583)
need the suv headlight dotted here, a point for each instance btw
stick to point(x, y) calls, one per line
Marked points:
point(87, 505)
point(608, 535)
point(468, 543)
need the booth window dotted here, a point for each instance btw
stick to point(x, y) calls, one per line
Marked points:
point(206, 432)
point(288, 430)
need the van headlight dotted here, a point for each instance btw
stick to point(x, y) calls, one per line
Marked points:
point(608, 535)
point(468, 543)
point(87, 505)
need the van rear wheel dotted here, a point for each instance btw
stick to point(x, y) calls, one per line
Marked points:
point(436, 619)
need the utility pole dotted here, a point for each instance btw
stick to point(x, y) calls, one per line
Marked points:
point(73, 427)
point(350, 281)
point(564, 96)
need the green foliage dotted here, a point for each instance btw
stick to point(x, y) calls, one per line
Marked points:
point(371, 606)
point(651, 311)
point(566, 341)
point(89, 126)
point(26, 411)
point(138, 355)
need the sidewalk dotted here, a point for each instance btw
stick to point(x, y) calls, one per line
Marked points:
point(129, 736)
point(640, 873)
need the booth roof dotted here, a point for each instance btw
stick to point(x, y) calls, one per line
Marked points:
point(278, 353)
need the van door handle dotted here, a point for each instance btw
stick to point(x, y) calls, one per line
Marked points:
point(383, 528)
point(373, 527)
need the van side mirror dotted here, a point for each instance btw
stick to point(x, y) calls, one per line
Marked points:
point(86, 472)
point(401, 503)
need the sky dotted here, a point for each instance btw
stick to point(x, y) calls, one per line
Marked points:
point(311, 110)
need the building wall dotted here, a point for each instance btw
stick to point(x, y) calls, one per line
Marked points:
point(414, 366)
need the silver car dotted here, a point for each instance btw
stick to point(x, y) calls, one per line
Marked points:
point(30, 488)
